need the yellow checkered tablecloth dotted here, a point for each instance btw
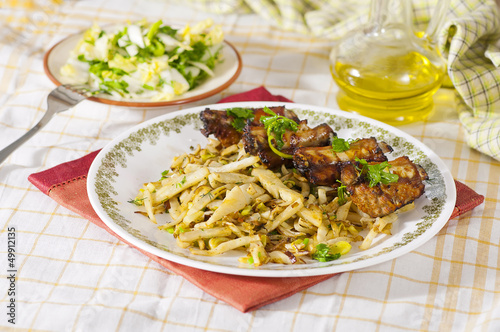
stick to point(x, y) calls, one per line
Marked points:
point(72, 275)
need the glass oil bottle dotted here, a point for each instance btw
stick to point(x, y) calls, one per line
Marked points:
point(384, 70)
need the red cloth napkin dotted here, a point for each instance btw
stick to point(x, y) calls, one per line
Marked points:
point(66, 184)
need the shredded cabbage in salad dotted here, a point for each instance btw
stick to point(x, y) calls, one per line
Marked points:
point(145, 60)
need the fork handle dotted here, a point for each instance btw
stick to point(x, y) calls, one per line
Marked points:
point(6, 152)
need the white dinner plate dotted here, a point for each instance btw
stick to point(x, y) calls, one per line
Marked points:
point(142, 153)
point(225, 73)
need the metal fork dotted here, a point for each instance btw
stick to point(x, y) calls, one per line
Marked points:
point(60, 99)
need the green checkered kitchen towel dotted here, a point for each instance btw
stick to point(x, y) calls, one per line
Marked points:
point(469, 40)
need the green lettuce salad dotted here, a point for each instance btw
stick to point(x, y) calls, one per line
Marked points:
point(151, 61)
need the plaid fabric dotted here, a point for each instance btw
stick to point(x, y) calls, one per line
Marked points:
point(469, 40)
point(74, 276)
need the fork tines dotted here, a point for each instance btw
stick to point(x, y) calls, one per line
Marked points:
point(81, 89)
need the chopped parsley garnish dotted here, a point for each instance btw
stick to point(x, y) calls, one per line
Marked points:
point(164, 174)
point(375, 173)
point(341, 193)
point(340, 144)
point(276, 126)
point(323, 254)
point(209, 194)
point(180, 184)
point(137, 201)
point(240, 116)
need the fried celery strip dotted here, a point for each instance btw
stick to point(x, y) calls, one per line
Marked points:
point(236, 199)
point(236, 165)
point(377, 227)
point(232, 177)
point(148, 204)
point(204, 234)
point(226, 246)
point(274, 186)
point(179, 183)
point(290, 210)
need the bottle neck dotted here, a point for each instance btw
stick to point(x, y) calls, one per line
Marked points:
point(385, 14)
point(398, 15)
point(437, 21)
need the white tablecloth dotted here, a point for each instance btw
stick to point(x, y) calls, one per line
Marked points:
point(72, 275)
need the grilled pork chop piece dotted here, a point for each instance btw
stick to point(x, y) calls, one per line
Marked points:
point(321, 165)
point(220, 124)
point(383, 199)
point(256, 142)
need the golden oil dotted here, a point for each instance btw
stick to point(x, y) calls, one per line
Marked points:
point(394, 88)
point(387, 68)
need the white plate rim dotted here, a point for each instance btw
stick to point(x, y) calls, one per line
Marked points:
point(446, 206)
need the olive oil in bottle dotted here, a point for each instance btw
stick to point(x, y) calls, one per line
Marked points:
point(395, 89)
point(384, 70)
